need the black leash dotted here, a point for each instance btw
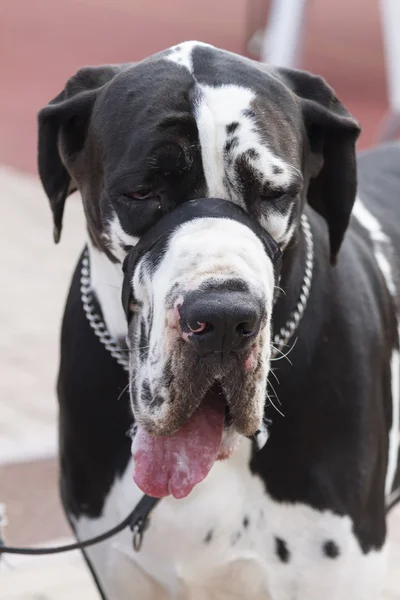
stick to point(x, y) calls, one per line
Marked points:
point(392, 500)
point(137, 521)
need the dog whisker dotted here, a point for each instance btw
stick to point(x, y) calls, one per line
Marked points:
point(123, 392)
point(283, 355)
point(276, 287)
point(274, 406)
point(273, 389)
point(272, 371)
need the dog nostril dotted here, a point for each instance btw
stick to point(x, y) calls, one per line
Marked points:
point(245, 329)
point(199, 327)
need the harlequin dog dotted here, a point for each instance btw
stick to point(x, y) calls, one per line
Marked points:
point(262, 350)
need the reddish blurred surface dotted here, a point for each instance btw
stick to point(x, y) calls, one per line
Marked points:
point(42, 43)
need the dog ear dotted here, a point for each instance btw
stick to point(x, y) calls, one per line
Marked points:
point(332, 134)
point(62, 129)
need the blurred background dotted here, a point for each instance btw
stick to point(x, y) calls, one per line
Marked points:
point(43, 42)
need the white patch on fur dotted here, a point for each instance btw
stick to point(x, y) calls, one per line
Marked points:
point(118, 238)
point(277, 226)
point(106, 277)
point(181, 54)
point(382, 249)
point(382, 244)
point(218, 107)
point(106, 282)
point(262, 437)
point(238, 561)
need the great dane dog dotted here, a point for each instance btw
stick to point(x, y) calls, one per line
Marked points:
point(257, 346)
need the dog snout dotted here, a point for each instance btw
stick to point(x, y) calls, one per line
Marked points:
point(222, 321)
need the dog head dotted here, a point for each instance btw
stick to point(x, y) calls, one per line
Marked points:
point(141, 142)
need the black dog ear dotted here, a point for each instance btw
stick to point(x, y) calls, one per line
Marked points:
point(62, 128)
point(332, 134)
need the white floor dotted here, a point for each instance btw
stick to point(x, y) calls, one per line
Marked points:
point(63, 577)
point(35, 275)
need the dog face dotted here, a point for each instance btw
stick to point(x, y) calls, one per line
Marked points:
point(198, 291)
point(140, 141)
point(199, 302)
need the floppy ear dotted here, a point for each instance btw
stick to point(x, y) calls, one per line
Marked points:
point(63, 125)
point(332, 134)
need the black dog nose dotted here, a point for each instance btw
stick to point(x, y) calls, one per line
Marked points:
point(220, 321)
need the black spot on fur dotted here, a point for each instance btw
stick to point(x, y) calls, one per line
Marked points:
point(143, 342)
point(231, 128)
point(232, 143)
point(331, 549)
point(141, 276)
point(168, 375)
point(175, 291)
point(150, 317)
point(146, 393)
point(277, 170)
point(157, 401)
point(209, 537)
point(152, 400)
point(282, 550)
point(249, 113)
point(251, 153)
point(246, 522)
point(249, 182)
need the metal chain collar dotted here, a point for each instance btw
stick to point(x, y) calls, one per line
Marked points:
point(96, 322)
point(279, 341)
point(285, 334)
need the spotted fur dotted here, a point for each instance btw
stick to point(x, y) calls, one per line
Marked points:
point(299, 512)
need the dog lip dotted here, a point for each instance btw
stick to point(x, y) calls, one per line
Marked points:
point(214, 395)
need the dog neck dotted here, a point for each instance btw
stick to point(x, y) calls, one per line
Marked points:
point(106, 279)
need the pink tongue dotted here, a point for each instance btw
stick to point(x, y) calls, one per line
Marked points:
point(175, 464)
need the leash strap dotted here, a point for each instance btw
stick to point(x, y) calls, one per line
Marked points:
point(183, 213)
point(393, 500)
point(137, 521)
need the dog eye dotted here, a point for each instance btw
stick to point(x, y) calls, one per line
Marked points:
point(272, 195)
point(142, 195)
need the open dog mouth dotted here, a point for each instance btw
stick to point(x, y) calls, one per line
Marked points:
point(174, 464)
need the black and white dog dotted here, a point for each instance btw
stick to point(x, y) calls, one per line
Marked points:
point(259, 333)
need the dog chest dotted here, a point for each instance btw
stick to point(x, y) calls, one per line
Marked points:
point(217, 533)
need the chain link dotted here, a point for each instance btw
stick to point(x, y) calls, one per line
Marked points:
point(95, 321)
point(279, 341)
